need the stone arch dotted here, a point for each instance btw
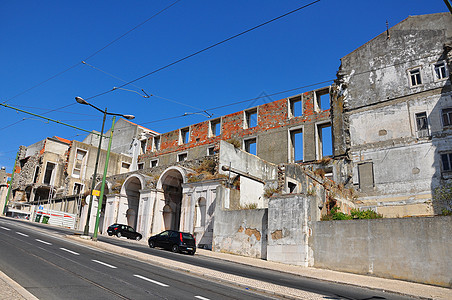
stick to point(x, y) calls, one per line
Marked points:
point(170, 182)
point(131, 190)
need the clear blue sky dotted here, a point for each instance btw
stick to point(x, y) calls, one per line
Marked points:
point(40, 39)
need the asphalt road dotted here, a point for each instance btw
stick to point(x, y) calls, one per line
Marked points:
point(331, 290)
point(53, 268)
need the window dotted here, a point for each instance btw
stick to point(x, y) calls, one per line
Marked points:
point(415, 77)
point(250, 146)
point(78, 189)
point(296, 145)
point(35, 177)
point(143, 146)
point(182, 156)
point(211, 150)
point(440, 70)
point(446, 162)
point(366, 176)
point(125, 167)
point(49, 173)
point(154, 163)
point(295, 107)
point(141, 166)
point(250, 118)
point(79, 163)
point(184, 136)
point(422, 124)
point(156, 143)
point(215, 127)
point(322, 99)
point(325, 141)
point(446, 115)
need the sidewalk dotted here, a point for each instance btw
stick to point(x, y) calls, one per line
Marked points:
point(10, 290)
point(396, 286)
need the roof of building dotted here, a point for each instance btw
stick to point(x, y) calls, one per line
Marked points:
point(62, 139)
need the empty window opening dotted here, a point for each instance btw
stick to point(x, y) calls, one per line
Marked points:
point(446, 161)
point(182, 157)
point(79, 163)
point(295, 107)
point(141, 166)
point(366, 176)
point(440, 70)
point(215, 127)
point(421, 124)
point(322, 99)
point(415, 77)
point(125, 167)
point(143, 146)
point(154, 163)
point(35, 177)
point(250, 146)
point(211, 150)
point(250, 118)
point(325, 140)
point(49, 173)
point(447, 117)
point(184, 136)
point(156, 144)
point(78, 189)
point(296, 145)
point(292, 187)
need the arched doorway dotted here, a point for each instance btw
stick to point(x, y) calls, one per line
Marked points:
point(132, 190)
point(171, 183)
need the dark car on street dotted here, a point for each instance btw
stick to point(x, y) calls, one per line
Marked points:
point(123, 230)
point(175, 241)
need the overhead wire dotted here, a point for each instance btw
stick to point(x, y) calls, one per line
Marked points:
point(205, 49)
point(95, 53)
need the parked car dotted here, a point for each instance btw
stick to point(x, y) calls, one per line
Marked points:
point(175, 241)
point(123, 230)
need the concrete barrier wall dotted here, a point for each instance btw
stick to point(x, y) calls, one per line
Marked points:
point(414, 249)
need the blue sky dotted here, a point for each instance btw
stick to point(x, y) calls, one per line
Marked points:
point(41, 39)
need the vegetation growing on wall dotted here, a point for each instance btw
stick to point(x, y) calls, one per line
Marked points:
point(269, 191)
point(236, 143)
point(443, 195)
point(336, 214)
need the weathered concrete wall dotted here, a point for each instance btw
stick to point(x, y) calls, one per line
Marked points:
point(242, 232)
point(414, 249)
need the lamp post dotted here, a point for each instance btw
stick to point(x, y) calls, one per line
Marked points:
point(80, 100)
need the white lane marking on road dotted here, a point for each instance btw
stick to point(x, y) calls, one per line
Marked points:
point(22, 234)
point(4, 228)
point(202, 298)
point(150, 280)
point(44, 242)
point(70, 251)
point(105, 264)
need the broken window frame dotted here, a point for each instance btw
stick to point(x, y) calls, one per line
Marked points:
point(415, 77)
point(143, 144)
point(210, 150)
point(80, 189)
point(184, 135)
point(292, 132)
point(82, 163)
point(248, 142)
point(215, 127)
point(320, 139)
point(125, 167)
point(422, 126)
point(156, 143)
point(46, 179)
point(440, 71)
point(318, 99)
point(154, 163)
point(248, 118)
point(36, 174)
point(140, 166)
point(292, 104)
point(183, 156)
point(446, 117)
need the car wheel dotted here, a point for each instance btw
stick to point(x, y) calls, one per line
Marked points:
point(119, 234)
point(138, 238)
point(110, 234)
point(191, 252)
point(151, 244)
point(175, 248)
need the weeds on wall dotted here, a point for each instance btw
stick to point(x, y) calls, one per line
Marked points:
point(336, 214)
point(249, 206)
point(443, 195)
point(269, 191)
point(236, 143)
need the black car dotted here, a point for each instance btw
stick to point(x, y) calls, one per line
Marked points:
point(123, 230)
point(176, 241)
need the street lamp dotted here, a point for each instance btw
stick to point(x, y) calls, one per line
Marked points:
point(80, 100)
